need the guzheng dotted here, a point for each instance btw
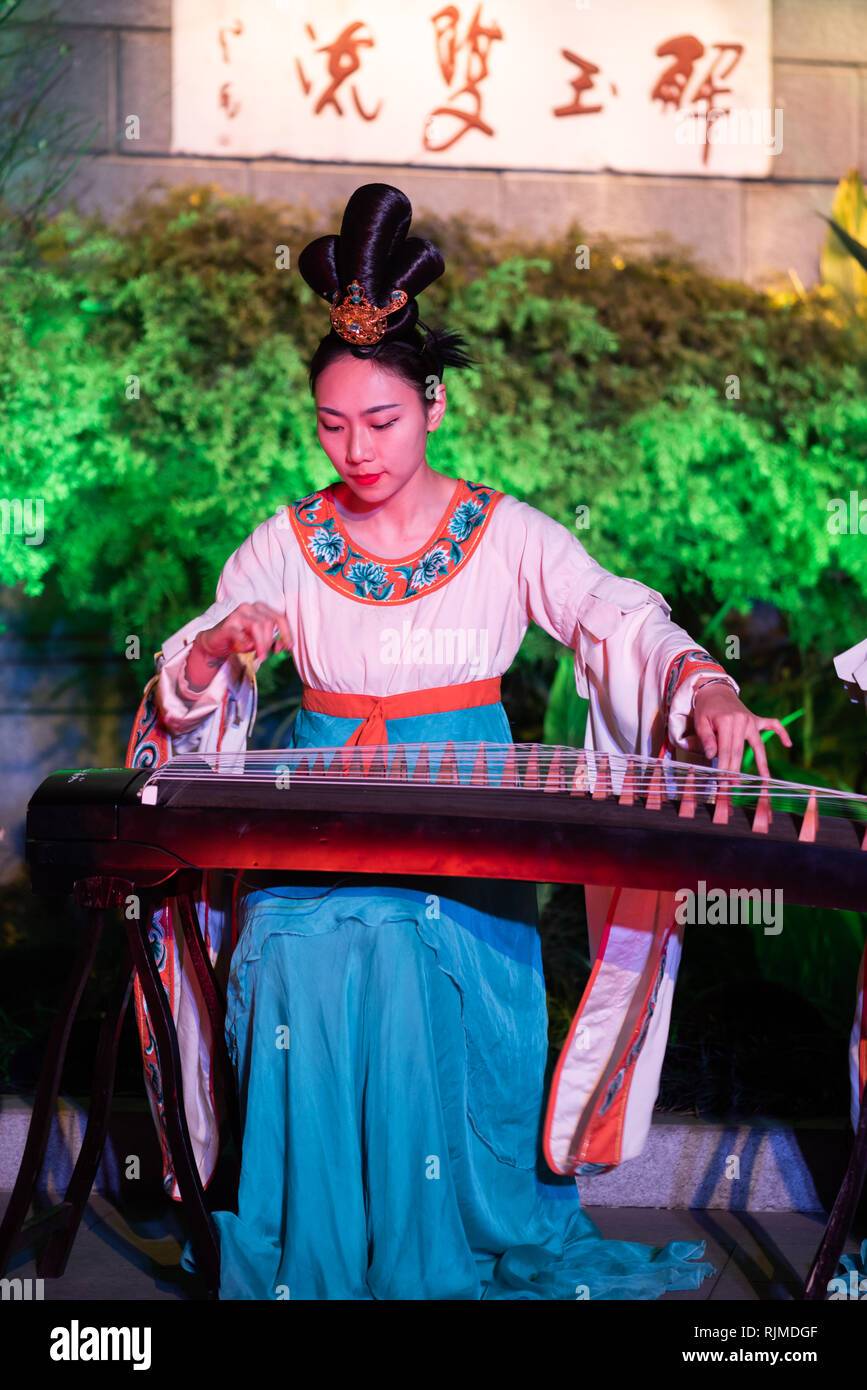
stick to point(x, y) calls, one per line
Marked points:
point(518, 811)
point(634, 831)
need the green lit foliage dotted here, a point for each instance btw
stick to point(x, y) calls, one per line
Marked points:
point(145, 497)
point(603, 387)
point(608, 388)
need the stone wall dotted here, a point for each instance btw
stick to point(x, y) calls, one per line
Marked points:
point(121, 63)
point(60, 706)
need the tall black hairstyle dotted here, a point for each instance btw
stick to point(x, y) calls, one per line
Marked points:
point(373, 247)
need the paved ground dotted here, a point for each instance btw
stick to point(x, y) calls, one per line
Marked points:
point(128, 1255)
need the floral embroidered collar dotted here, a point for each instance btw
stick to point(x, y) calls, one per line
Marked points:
point(339, 560)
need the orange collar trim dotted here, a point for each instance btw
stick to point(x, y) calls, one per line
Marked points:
point(367, 578)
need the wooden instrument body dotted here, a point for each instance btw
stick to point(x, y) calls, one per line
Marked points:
point(95, 822)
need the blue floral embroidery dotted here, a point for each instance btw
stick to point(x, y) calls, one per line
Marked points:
point(308, 507)
point(429, 568)
point(698, 657)
point(467, 517)
point(367, 577)
point(326, 546)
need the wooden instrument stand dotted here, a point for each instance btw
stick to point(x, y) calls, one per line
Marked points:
point(97, 896)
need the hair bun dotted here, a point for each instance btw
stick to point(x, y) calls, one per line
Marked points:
point(373, 247)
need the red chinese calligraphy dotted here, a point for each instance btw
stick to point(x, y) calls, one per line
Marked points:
point(225, 100)
point(671, 87)
point(474, 48)
point(580, 84)
point(343, 61)
point(237, 28)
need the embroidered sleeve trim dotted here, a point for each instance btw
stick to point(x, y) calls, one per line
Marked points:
point(681, 668)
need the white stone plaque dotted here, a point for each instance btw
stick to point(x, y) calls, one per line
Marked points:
point(627, 85)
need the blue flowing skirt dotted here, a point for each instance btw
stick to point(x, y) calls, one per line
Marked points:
point(390, 1048)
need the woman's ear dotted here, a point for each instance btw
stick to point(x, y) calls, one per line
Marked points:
point(436, 409)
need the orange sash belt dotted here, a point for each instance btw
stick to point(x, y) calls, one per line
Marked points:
point(375, 709)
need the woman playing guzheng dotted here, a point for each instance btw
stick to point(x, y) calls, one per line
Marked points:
point(391, 1150)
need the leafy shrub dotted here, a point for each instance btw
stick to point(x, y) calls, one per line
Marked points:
point(604, 387)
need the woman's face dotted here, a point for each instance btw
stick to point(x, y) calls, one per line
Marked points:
point(373, 426)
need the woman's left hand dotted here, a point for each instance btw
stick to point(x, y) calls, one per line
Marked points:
point(724, 724)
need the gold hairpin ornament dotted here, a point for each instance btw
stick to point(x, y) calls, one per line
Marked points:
point(359, 321)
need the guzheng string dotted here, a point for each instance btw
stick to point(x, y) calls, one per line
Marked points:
point(508, 766)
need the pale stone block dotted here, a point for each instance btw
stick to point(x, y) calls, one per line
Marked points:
point(111, 182)
point(79, 92)
point(145, 90)
point(832, 31)
point(544, 205)
point(703, 215)
point(819, 121)
point(326, 188)
point(783, 230)
point(118, 14)
point(862, 122)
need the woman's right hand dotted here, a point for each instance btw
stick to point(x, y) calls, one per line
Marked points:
point(250, 627)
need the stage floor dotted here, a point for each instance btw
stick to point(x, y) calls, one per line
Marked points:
point(134, 1254)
